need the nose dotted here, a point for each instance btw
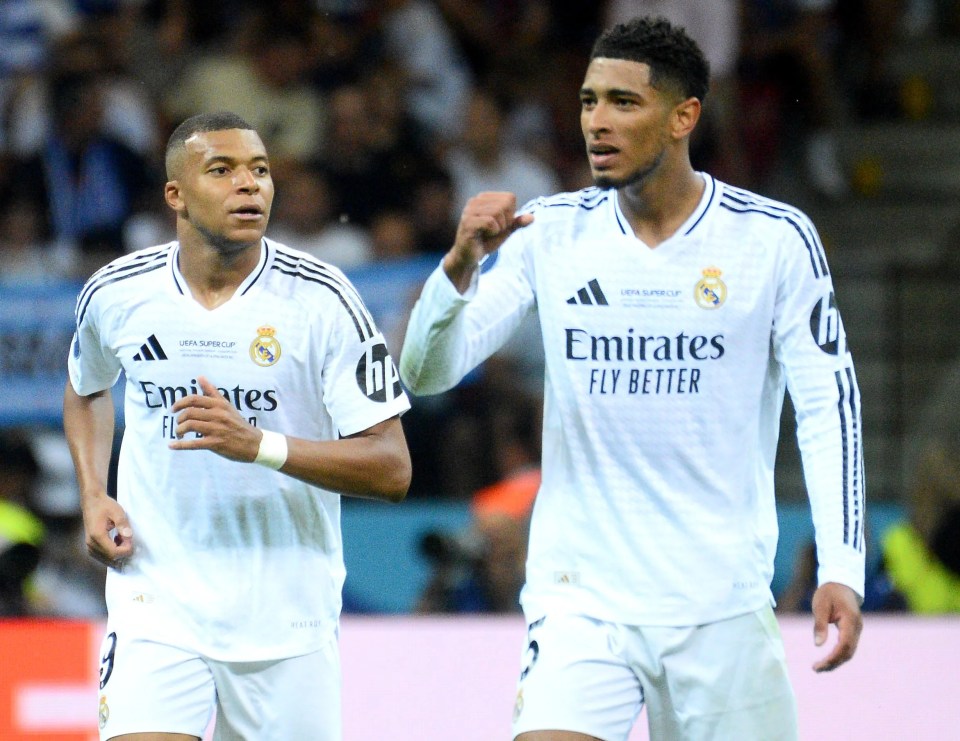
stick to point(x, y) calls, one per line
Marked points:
point(245, 180)
point(595, 120)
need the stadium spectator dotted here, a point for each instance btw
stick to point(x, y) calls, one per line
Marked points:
point(417, 37)
point(264, 75)
point(307, 214)
point(21, 531)
point(484, 160)
point(788, 72)
point(670, 338)
point(481, 569)
point(223, 546)
point(375, 155)
point(921, 556)
point(89, 181)
point(432, 207)
point(25, 255)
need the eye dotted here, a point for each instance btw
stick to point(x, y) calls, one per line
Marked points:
point(219, 170)
point(262, 170)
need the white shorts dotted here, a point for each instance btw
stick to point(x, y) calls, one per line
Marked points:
point(153, 687)
point(723, 680)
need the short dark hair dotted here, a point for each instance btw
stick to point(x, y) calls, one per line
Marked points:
point(202, 122)
point(674, 58)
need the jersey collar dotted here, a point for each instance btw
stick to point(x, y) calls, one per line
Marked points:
point(692, 222)
point(183, 289)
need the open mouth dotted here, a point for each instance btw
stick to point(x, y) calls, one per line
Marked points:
point(602, 155)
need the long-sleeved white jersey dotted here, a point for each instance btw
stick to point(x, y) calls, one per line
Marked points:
point(665, 377)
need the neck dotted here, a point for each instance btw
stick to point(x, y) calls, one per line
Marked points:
point(656, 208)
point(214, 274)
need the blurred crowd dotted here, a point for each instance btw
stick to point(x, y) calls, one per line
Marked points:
point(382, 117)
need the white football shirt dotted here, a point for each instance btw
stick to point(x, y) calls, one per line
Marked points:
point(665, 378)
point(233, 560)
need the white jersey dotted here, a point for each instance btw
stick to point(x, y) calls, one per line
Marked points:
point(233, 560)
point(665, 378)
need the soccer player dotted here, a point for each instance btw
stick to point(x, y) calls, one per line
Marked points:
point(675, 310)
point(258, 390)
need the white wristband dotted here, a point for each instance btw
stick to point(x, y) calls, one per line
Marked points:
point(273, 450)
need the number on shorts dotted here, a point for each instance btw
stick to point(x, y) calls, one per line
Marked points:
point(533, 650)
point(106, 660)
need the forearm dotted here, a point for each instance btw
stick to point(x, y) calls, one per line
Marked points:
point(374, 464)
point(88, 422)
point(434, 342)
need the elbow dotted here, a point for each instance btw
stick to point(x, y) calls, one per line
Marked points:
point(395, 472)
point(396, 483)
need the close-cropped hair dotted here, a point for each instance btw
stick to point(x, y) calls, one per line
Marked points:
point(201, 123)
point(675, 60)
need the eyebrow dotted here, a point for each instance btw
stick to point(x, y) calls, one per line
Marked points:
point(232, 160)
point(612, 92)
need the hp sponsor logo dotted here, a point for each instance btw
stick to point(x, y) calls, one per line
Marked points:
point(377, 376)
point(825, 325)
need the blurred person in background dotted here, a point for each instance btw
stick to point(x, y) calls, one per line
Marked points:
point(223, 544)
point(375, 155)
point(675, 311)
point(485, 159)
point(481, 569)
point(21, 531)
point(67, 582)
point(26, 255)
point(432, 208)
point(437, 79)
point(89, 181)
point(262, 72)
point(790, 85)
point(307, 214)
point(921, 555)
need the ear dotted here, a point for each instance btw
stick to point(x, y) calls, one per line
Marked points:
point(172, 195)
point(686, 114)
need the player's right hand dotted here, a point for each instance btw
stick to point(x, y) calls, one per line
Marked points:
point(486, 222)
point(109, 537)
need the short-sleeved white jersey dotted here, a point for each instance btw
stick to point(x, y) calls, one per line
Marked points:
point(665, 376)
point(232, 560)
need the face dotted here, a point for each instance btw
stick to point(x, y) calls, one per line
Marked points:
point(626, 122)
point(222, 191)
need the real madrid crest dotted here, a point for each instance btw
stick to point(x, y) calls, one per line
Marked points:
point(710, 292)
point(104, 714)
point(265, 349)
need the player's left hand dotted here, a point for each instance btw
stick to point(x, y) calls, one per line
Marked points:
point(219, 424)
point(837, 604)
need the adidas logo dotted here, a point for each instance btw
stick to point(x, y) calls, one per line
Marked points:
point(151, 350)
point(589, 295)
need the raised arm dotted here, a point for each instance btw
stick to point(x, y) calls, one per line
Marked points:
point(88, 424)
point(486, 222)
point(458, 321)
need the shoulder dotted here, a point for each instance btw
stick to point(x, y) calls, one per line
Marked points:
point(301, 269)
point(764, 210)
point(563, 205)
point(124, 275)
point(301, 277)
point(775, 223)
